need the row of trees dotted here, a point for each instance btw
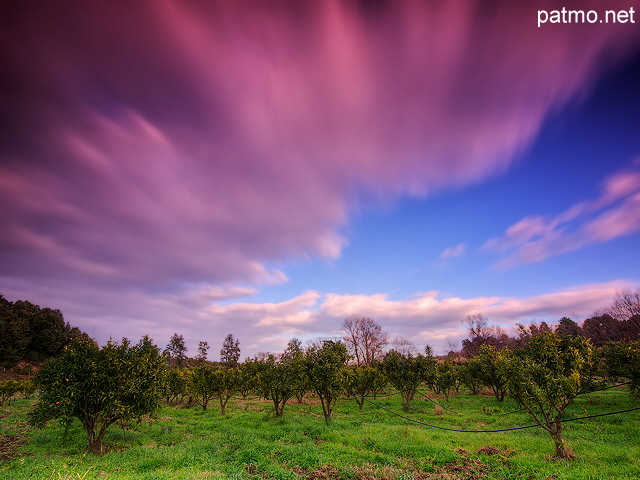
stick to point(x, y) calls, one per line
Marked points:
point(121, 382)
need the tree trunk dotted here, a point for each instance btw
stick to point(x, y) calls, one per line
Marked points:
point(95, 440)
point(326, 408)
point(563, 450)
point(223, 404)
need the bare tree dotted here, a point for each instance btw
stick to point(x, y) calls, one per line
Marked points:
point(480, 333)
point(403, 346)
point(479, 327)
point(626, 305)
point(364, 339)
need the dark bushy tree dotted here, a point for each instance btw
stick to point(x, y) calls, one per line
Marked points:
point(176, 351)
point(30, 332)
point(568, 327)
point(119, 382)
point(230, 353)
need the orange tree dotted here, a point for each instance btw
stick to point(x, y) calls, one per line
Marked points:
point(224, 384)
point(492, 371)
point(325, 369)
point(406, 373)
point(546, 375)
point(200, 384)
point(119, 382)
point(363, 381)
point(275, 380)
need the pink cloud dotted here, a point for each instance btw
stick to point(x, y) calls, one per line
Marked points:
point(199, 142)
point(428, 318)
point(171, 153)
point(614, 214)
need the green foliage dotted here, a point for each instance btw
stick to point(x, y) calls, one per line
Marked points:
point(545, 376)
point(445, 377)
point(246, 375)
point(620, 361)
point(470, 373)
point(294, 355)
point(27, 387)
point(325, 369)
point(200, 384)
point(176, 385)
point(230, 353)
point(275, 380)
point(492, 369)
point(406, 372)
point(633, 366)
point(363, 381)
point(213, 381)
point(28, 331)
point(224, 384)
point(8, 388)
point(100, 386)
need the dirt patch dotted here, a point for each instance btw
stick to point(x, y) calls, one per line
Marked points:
point(463, 469)
point(490, 450)
point(324, 472)
point(9, 445)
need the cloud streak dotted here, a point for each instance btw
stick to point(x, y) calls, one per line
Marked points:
point(613, 214)
point(173, 152)
point(198, 142)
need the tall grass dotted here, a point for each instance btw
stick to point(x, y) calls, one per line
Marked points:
point(251, 443)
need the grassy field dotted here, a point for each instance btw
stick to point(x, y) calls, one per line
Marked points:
point(250, 443)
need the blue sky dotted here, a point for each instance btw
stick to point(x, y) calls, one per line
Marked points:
point(266, 172)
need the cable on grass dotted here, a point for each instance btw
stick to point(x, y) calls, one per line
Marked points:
point(496, 430)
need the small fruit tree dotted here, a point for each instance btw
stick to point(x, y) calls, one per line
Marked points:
point(325, 368)
point(406, 373)
point(546, 375)
point(119, 382)
point(276, 380)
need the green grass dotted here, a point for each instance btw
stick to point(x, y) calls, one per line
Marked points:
point(250, 443)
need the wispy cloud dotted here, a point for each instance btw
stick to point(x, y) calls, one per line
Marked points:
point(453, 252)
point(614, 213)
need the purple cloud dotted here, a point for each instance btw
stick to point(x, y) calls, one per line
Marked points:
point(154, 145)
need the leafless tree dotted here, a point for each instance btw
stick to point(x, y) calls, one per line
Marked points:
point(479, 327)
point(364, 339)
point(626, 305)
point(403, 346)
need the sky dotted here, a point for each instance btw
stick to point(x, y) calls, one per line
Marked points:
point(267, 169)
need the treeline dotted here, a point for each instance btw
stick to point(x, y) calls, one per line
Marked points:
point(28, 332)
